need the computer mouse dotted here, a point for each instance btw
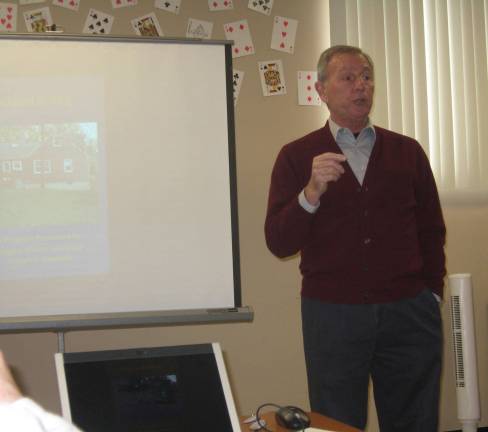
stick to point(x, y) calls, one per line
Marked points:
point(292, 418)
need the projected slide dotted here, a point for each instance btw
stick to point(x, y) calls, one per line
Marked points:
point(51, 218)
point(116, 177)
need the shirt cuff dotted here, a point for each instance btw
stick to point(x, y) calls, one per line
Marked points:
point(305, 204)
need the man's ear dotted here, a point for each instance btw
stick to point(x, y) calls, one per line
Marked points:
point(320, 88)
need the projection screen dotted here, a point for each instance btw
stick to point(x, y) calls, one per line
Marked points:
point(118, 184)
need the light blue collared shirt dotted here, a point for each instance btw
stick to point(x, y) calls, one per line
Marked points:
point(357, 151)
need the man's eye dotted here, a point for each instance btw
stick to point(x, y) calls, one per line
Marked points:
point(368, 76)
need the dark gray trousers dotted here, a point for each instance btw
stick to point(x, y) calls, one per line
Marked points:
point(398, 344)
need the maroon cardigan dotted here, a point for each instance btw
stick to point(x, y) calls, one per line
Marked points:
point(375, 243)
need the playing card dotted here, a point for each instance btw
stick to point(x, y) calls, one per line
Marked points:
point(199, 29)
point(26, 2)
point(68, 4)
point(263, 6)
point(123, 3)
point(239, 32)
point(237, 78)
point(284, 33)
point(272, 78)
point(147, 25)
point(168, 5)
point(98, 22)
point(218, 5)
point(38, 20)
point(8, 17)
point(307, 95)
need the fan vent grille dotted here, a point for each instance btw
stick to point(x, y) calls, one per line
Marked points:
point(457, 333)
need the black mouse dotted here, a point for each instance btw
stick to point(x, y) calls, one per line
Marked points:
point(292, 418)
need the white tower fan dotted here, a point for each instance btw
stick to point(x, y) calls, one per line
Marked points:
point(463, 333)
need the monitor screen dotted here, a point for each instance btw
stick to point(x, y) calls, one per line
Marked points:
point(165, 389)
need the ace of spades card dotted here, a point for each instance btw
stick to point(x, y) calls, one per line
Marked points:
point(147, 25)
point(262, 6)
point(8, 17)
point(284, 33)
point(98, 22)
point(237, 78)
point(219, 5)
point(307, 95)
point(272, 77)
point(172, 6)
point(68, 4)
point(199, 29)
point(38, 20)
point(239, 32)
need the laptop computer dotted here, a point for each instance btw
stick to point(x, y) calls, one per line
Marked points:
point(165, 389)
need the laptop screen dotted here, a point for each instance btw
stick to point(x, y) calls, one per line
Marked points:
point(164, 389)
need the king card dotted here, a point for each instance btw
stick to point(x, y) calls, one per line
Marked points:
point(38, 20)
point(147, 25)
point(272, 77)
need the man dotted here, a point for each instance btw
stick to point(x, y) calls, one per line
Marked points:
point(360, 205)
point(18, 413)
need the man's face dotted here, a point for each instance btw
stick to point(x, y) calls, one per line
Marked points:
point(348, 90)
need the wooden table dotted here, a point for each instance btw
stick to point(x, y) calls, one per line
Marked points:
point(317, 420)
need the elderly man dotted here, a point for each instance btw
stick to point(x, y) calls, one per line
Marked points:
point(360, 204)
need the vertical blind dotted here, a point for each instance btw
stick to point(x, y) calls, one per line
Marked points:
point(431, 74)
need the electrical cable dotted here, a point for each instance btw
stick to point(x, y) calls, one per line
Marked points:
point(261, 422)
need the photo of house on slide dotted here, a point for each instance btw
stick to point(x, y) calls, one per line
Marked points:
point(49, 174)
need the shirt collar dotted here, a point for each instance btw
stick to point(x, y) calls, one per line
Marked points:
point(336, 129)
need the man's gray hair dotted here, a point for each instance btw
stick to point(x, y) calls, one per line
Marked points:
point(327, 56)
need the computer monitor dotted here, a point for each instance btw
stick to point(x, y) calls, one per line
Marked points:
point(164, 389)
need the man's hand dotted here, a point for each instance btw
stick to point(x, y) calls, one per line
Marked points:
point(326, 167)
point(9, 392)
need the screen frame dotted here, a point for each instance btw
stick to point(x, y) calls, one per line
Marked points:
point(65, 322)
